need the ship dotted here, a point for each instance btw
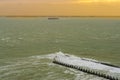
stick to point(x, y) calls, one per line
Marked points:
point(53, 18)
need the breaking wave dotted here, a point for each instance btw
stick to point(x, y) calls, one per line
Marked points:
point(40, 67)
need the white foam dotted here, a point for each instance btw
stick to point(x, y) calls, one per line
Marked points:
point(73, 60)
point(48, 56)
point(66, 58)
point(36, 61)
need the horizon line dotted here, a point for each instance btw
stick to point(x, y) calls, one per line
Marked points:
point(52, 16)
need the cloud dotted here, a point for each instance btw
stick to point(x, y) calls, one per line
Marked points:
point(59, 1)
point(36, 0)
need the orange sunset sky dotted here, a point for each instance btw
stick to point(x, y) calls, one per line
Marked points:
point(60, 7)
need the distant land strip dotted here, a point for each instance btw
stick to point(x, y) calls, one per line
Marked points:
point(62, 16)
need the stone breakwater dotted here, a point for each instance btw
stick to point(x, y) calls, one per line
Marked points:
point(88, 66)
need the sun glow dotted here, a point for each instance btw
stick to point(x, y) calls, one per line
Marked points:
point(90, 1)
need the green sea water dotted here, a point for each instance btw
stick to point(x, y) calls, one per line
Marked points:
point(26, 43)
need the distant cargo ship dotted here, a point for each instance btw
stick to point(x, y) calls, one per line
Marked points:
point(53, 18)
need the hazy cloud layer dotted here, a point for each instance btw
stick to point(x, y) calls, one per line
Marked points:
point(36, 0)
point(60, 7)
point(60, 1)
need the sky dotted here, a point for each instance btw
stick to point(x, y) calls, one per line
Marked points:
point(59, 7)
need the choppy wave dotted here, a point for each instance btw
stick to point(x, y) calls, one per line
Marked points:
point(40, 67)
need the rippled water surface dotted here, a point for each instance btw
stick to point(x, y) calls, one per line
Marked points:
point(27, 46)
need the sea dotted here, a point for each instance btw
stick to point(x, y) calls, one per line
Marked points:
point(29, 44)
